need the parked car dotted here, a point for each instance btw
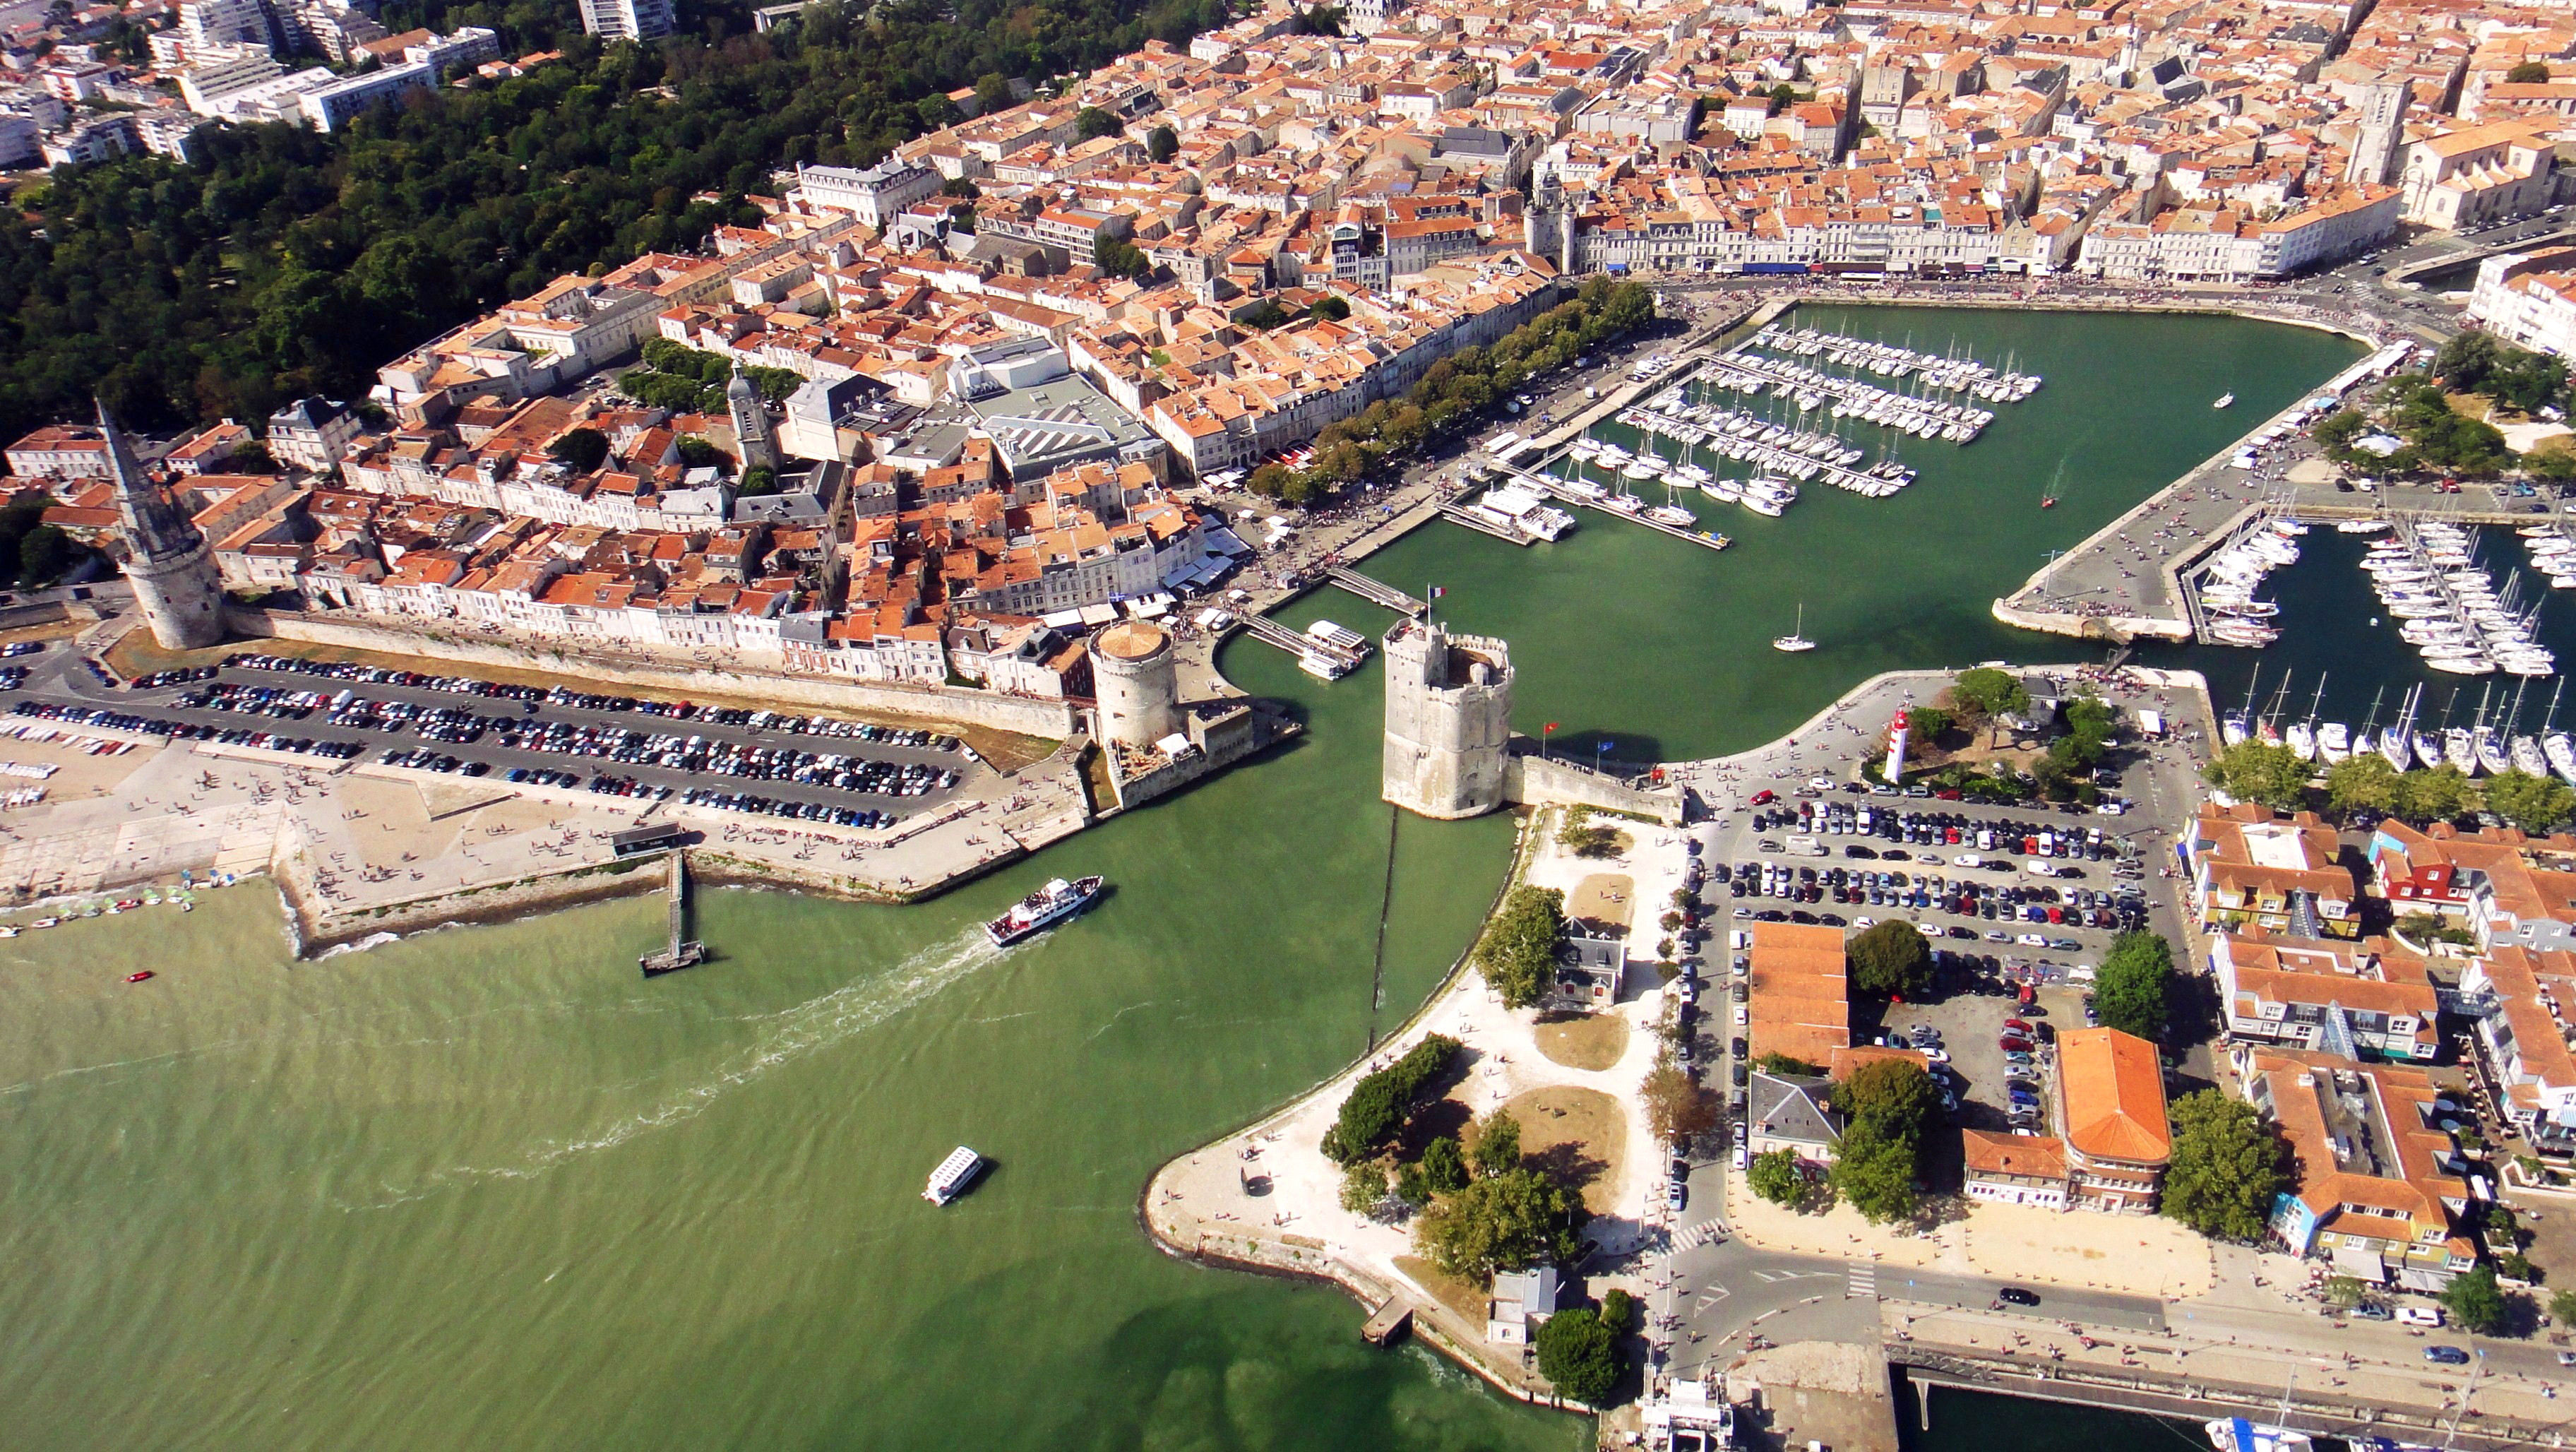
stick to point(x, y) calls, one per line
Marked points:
point(2446, 1356)
point(2015, 1295)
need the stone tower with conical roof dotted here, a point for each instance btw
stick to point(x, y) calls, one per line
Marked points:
point(753, 441)
point(167, 559)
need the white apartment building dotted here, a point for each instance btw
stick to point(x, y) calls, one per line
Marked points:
point(2528, 299)
point(872, 195)
point(627, 19)
point(329, 107)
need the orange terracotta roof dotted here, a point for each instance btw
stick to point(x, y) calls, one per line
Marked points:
point(2115, 1096)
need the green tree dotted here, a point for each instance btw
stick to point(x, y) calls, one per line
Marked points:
point(2361, 781)
point(1377, 1106)
point(2562, 1307)
point(2254, 771)
point(2225, 1167)
point(1618, 1309)
point(1363, 1185)
point(962, 187)
point(1119, 257)
point(1322, 20)
point(1162, 144)
point(583, 448)
point(2527, 73)
point(757, 481)
point(1579, 1355)
point(2438, 795)
point(1332, 307)
point(1501, 1222)
point(1928, 723)
point(1874, 1174)
point(1517, 953)
point(1890, 959)
point(936, 112)
point(2343, 1292)
point(1678, 1108)
point(1092, 122)
point(1444, 1165)
point(2131, 989)
point(2536, 804)
point(2476, 1301)
point(1580, 837)
point(1985, 691)
point(2464, 363)
point(44, 555)
point(1897, 1094)
point(252, 457)
point(993, 93)
point(1498, 1144)
point(1779, 1063)
point(1774, 1176)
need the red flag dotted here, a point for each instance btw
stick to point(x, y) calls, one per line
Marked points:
point(1439, 590)
point(1551, 725)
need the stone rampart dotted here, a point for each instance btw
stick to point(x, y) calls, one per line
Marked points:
point(1024, 715)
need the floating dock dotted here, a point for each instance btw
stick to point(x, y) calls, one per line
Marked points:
point(1487, 524)
point(1557, 489)
point(1373, 591)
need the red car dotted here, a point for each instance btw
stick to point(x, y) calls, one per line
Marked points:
point(2013, 1045)
point(1765, 797)
point(2015, 1025)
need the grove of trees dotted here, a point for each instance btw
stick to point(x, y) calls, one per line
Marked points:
point(285, 261)
point(1378, 1104)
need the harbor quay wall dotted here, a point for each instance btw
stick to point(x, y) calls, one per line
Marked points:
point(1537, 780)
point(2197, 1399)
point(317, 926)
point(1024, 715)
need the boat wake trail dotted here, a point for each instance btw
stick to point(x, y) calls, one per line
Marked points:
point(780, 1038)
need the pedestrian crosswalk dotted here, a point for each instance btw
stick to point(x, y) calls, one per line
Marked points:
point(1692, 1236)
point(1862, 1284)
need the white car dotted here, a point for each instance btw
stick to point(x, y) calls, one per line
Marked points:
point(1741, 1017)
point(1935, 1054)
point(1864, 921)
point(1967, 859)
point(1743, 1155)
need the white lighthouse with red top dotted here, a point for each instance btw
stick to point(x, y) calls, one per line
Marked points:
point(1896, 749)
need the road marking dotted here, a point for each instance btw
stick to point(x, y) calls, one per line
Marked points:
point(1862, 1283)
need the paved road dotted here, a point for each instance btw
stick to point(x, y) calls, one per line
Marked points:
point(2091, 1308)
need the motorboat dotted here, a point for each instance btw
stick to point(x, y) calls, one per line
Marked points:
point(2334, 742)
point(952, 1177)
point(1043, 909)
point(138, 977)
point(2224, 400)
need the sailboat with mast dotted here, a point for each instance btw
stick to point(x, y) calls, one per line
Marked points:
point(1796, 640)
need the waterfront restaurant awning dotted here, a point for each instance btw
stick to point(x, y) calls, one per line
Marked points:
point(2360, 1263)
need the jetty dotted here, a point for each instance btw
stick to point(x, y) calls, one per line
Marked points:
point(1487, 524)
point(1558, 489)
point(1373, 591)
point(1388, 1321)
point(1297, 643)
point(684, 951)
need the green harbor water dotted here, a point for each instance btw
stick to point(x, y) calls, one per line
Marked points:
point(487, 1187)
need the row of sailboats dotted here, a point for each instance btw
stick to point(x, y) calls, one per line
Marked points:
point(2491, 745)
point(2450, 610)
point(1955, 371)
